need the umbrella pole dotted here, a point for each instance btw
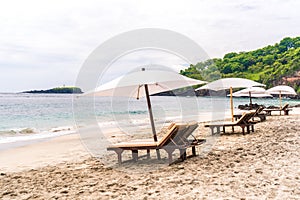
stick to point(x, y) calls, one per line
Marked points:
point(231, 104)
point(280, 101)
point(151, 118)
point(250, 100)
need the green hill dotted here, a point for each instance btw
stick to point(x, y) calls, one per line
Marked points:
point(58, 90)
point(271, 65)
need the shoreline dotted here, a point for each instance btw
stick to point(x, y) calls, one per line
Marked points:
point(263, 164)
point(52, 151)
point(60, 147)
point(18, 139)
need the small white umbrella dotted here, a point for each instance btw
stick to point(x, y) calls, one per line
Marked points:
point(144, 83)
point(257, 92)
point(282, 89)
point(229, 83)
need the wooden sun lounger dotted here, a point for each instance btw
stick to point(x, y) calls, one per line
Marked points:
point(244, 122)
point(285, 110)
point(258, 113)
point(172, 140)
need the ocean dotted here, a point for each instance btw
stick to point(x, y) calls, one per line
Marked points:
point(32, 117)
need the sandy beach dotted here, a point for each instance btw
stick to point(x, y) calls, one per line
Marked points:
point(261, 165)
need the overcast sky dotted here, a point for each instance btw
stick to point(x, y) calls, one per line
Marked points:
point(44, 43)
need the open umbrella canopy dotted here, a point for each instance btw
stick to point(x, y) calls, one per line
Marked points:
point(252, 92)
point(256, 92)
point(132, 84)
point(230, 83)
point(256, 95)
point(282, 89)
point(227, 83)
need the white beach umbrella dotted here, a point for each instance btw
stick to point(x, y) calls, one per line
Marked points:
point(252, 91)
point(134, 84)
point(282, 89)
point(230, 83)
point(257, 92)
point(144, 83)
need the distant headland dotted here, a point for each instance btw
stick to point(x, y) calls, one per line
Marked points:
point(57, 90)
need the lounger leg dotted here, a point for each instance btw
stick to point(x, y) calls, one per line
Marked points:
point(248, 129)
point(243, 129)
point(286, 112)
point(158, 154)
point(223, 129)
point(212, 130)
point(182, 154)
point(252, 126)
point(119, 158)
point(148, 153)
point(170, 152)
point(170, 157)
point(194, 150)
point(134, 155)
point(232, 129)
point(218, 129)
point(119, 153)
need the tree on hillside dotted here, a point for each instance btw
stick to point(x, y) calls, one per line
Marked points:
point(268, 65)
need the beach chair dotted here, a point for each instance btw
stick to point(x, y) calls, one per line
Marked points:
point(172, 140)
point(285, 110)
point(258, 113)
point(244, 122)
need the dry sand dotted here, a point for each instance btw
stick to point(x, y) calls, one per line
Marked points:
point(261, 165)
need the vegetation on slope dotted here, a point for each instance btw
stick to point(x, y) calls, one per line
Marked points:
point(271, 65)
point(58, 90)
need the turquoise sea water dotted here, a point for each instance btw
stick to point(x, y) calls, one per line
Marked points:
point(35, 116)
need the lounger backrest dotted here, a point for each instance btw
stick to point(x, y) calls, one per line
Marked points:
point(250, 116)
point(180, 134)
point(242, 118)
point(191, 128)
point(170, 133)
point(183, 137)
point(259, 109)
point(171, 125)
point(285, 106)
point(245, 118)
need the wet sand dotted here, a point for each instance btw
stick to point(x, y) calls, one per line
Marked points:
point(261, 165)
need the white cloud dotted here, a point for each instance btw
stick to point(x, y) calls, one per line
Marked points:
point(47, 37)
